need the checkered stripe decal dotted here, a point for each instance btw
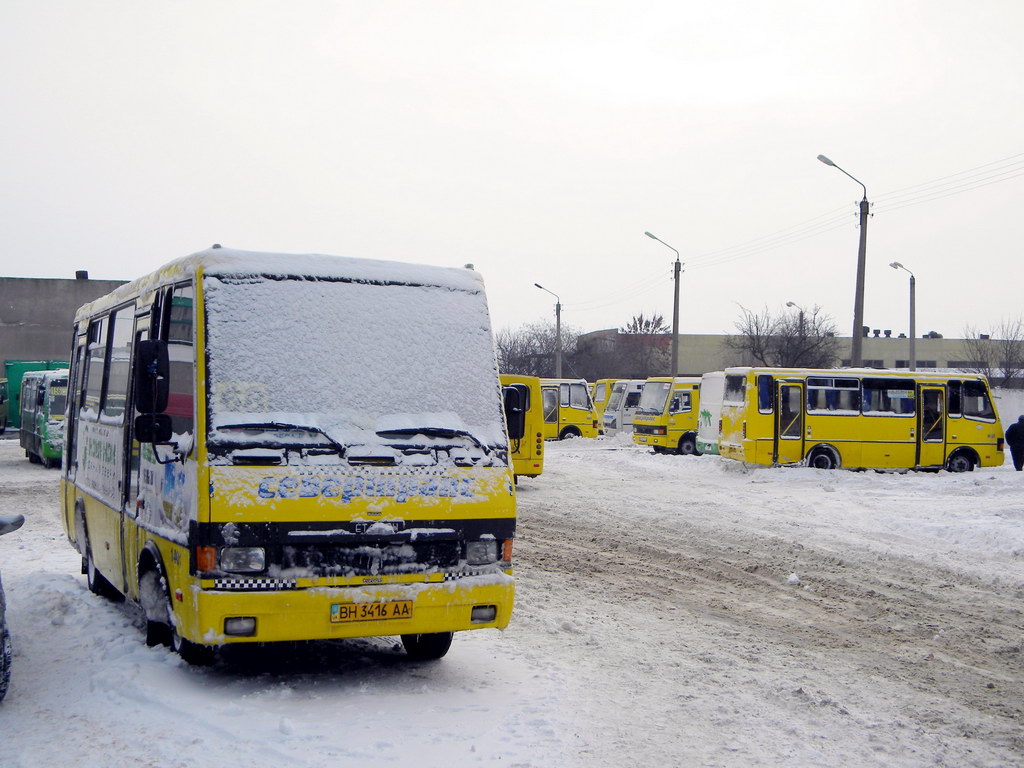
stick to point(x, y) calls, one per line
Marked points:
point(254, 584)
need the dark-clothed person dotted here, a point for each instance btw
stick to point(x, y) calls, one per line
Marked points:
point(1015, 439)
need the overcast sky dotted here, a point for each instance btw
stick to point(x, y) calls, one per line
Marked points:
point(536, 140)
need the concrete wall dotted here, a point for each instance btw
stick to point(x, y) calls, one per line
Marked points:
point(36, 315)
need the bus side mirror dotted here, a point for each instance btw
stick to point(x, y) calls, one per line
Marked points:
point(515, 410)
point(153, 428)
point(152, 377)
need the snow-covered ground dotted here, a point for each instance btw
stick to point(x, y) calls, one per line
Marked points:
point(671, 611)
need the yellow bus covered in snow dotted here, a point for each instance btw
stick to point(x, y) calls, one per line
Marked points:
point(860, 419)
point(268, 447)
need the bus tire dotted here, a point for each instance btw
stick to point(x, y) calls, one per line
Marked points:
point(6, 656)
point(428, 647)
point(823, 458)
point(96, 581)
point(688, 446)
point(193, 654)
point(569, 432)
point(960, 461)
point(153, 598)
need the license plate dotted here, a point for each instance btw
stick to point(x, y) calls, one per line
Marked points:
point(643, 439)
point(396, 609)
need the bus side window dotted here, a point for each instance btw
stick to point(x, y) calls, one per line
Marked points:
point(578, 397)
point(976, 402)
point(954, 399)
point(96, 347)
point(765, 393)
point(181, 352)
point(119, 364)
point(680, 403)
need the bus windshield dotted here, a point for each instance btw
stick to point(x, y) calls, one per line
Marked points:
point(654, 395)
point(356, 362)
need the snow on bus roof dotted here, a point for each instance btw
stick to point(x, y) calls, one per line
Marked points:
point(228, 261)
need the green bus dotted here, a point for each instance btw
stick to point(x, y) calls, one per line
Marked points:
point(44, 395)
point(3, 405)
point(13, 371)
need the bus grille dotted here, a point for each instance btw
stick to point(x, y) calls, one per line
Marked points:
point(372, 560)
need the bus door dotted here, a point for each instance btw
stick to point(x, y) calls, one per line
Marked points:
point(549, 401)
point(789, 423)
point(931, 426)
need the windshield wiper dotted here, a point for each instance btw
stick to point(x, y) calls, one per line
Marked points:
point(432, 432)
point(284, 426)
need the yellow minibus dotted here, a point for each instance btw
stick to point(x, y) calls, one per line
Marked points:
point(274, 447)
point(527, 450)
point(667, 416)
point(600, 391)
point(860, 419)
point(567, 408)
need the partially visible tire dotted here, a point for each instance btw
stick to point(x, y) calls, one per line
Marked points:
point(97, 582)
point(6, 657)
point(32, 458)
point(153, 597)
point(569, 432)
point(688, 445)
point(427, 647)
point(822, 458)
point(193, 653)
point(960, 462)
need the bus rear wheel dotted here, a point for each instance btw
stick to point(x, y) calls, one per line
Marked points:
point(960, 462)
point(822, 458)
point(427, 647)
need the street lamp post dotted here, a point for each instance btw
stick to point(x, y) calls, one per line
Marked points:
point(558, 331)
point(794, 304)
point(858, 299)
point(675, 306)
point(913, 330)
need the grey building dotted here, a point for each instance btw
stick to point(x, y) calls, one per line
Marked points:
point(36, 314)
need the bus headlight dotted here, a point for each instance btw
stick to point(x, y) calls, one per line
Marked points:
point(243, 559)
point(481, 552)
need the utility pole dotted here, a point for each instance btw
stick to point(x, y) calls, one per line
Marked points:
point(558, 331)
point(857, 340)
point(675, 306)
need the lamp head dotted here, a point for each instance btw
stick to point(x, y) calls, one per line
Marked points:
point(826, 161)
point(650, 235)
point(896, 265)
point(538, 285)
point(790, 304)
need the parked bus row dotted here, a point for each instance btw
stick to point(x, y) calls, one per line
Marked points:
point(828, 418)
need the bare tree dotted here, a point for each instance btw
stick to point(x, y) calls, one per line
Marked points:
point(643, 347)
point(1000, 359)
point(788, 339)
point(529, 350)
point(643, 324)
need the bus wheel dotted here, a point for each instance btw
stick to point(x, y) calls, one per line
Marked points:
point(569, 432)
point(97, 582)
point(687, 445)
point(193, 653)
point(153, 597)
point(822, 458)
point(960, 462)
point(427, 647)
